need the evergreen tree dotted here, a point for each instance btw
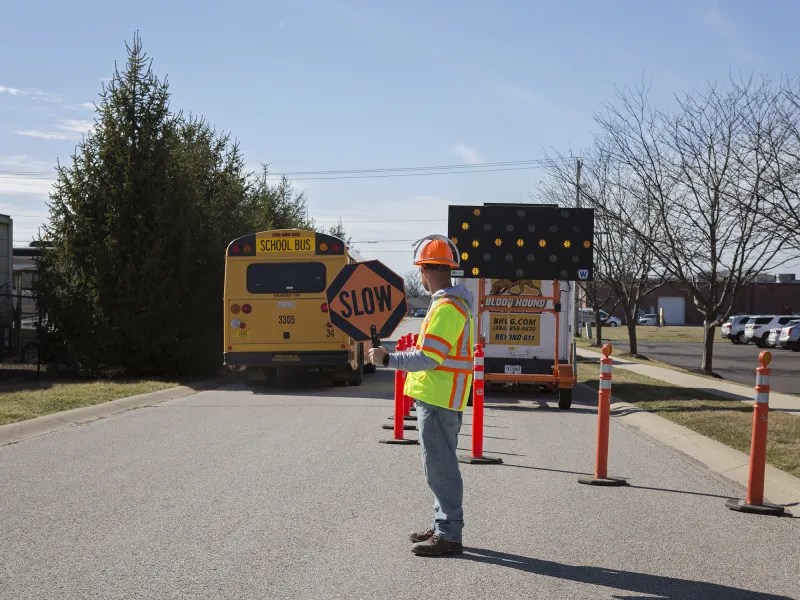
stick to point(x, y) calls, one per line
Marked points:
point(338, 230)
point(139, 225)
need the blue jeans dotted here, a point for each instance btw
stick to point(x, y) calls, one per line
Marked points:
point(438, 435)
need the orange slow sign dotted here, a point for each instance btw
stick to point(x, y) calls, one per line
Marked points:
point(364, 295)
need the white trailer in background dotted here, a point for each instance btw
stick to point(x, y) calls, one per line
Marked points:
point(526, 329)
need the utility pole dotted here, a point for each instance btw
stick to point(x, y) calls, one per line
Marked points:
point(577, 330)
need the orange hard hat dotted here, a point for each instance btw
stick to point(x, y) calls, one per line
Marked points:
point(436, 250)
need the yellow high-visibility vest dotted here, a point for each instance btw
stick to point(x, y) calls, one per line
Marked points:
point(447, 337)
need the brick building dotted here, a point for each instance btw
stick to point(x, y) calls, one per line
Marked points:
point(756, 298)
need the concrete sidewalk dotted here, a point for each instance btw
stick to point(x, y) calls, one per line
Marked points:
point(733, 391)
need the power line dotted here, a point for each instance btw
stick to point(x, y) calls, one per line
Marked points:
point(343, 221)
point(381, 241)
point(420, 171)
point(424, 174)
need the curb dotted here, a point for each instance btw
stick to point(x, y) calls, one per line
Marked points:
point(30, 428)
point(743, 393)
point(779, 487)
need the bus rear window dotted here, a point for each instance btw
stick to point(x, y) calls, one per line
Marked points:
point(281, 278)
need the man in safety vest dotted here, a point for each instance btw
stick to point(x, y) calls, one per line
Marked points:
point(439, 380)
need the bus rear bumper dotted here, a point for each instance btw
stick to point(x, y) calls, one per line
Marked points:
point(334, 358)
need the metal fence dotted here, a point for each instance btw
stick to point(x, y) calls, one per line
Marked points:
point(20, 324)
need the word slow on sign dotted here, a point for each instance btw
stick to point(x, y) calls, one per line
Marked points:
point(365, 301)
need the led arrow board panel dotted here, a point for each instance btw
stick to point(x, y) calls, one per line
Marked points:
point(523, 241)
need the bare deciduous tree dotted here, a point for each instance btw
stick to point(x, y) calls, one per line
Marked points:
point(625, 269)
point(414, 287)
point(700, 177)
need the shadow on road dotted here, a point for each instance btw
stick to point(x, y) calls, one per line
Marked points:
point(633, 487)
point(666, 588)
point(378, 386)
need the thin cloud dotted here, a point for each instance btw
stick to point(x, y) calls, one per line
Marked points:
point(468, 154)
point(71, 129)
point(25, 186)
point(4, 89)
point(46, 135)
point(30, 93)
point(22, 162)
point(81, 106)
point(76, 125)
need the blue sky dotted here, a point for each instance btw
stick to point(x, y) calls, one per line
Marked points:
point(318, 85)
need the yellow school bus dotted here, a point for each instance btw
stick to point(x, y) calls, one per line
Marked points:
point(276, 308)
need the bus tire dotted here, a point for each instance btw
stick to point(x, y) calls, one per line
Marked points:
point(349, 375)
point(564, 398)
point(357, 377)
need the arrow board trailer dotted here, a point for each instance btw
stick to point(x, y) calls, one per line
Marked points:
point(525, 327)
point(521, 261)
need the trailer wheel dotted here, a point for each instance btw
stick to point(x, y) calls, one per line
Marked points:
point(564, 398)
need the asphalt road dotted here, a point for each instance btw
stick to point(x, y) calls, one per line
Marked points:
point(286, 493)
point(733, 362)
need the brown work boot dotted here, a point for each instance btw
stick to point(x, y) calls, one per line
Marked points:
point(436, 546)
point(421, 536)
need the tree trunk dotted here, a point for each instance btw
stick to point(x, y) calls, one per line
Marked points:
point(708, 345)
point(634, 349)
point(598, 329)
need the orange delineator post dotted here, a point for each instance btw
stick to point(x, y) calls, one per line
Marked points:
point(399, 404)
point(478, 387)
point(603, 422)
point(754, 502)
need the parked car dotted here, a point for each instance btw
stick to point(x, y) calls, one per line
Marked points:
point(420, 312)
point(733, 328)
point(758, 327)
point(586, 315)
point(650, 319)
point(790, 336)
point(772, 338)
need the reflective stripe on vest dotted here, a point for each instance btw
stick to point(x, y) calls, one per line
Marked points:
point(449, 383)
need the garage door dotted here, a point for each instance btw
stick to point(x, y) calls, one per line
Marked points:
point(674, 309)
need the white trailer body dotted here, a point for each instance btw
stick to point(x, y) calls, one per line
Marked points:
point(524, 343)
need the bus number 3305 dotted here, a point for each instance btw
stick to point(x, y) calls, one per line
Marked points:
point(286, 320)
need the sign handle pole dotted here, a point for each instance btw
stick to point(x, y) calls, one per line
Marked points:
point(376, 341)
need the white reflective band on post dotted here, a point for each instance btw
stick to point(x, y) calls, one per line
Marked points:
point(605, 384)
point(762, 379)
point(478, 376)
point(478, 360)
point(762, 398)
point(605, 368)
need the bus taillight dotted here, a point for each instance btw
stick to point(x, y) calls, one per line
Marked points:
point(235, 308)
point(324, 307)
point(246, 308)
point(235, 249)
point(335, 246)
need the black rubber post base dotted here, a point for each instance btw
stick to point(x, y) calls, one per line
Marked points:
point(400, 442)
point(408, 418)
point(405, 427)
point(483, 460)
point(756, 509)
point(608, 481)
